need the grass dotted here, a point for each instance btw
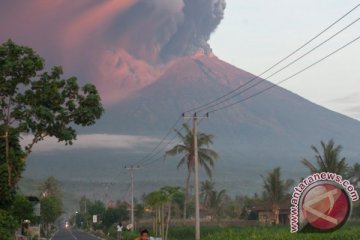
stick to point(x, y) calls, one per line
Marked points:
point(351, 231)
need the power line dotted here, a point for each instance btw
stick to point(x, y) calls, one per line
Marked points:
point(178, 142)
point(283, 68)
point(276, 64)
point(160, 142)
point(149, 160)
point(287, 78)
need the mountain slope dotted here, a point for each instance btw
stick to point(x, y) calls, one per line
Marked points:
point(192, 81)
point(273, 129)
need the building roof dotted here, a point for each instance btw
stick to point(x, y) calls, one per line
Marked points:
point(33, 198)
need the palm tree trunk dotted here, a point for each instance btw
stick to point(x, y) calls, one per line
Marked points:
point(168, 221)
point(157, 222)
point(162, 221)
point(186, 193)
point(275, 211)
point(7, 154)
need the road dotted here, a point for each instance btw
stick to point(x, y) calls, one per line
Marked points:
point(70, 234)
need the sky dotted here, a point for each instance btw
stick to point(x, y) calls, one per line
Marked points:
point(85, 36)
point(255, 34)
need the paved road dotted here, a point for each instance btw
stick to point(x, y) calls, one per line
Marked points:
point(69, 234)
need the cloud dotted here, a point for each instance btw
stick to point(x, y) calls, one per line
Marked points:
point(348, 105)
point(353, 98)
point(137, 37)
point(93, 141)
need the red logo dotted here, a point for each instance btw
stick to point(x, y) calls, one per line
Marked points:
point(326, 206)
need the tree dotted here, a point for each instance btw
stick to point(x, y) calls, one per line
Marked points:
point(170, 194)
point(155, 201)
point(22, 209)
point(51, 209)
point(96, 208)
point(206, 156)
point(206, 191)
point(327, 159)
point(83, 204)
point(50, 187)
point(354, 174)
point(211, 199)
point(38, 103)
point(216, 201)
point(8, 192)
point(115, 215)
point(8, 225)
point(276, 190)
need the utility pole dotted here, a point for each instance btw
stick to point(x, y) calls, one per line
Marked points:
point(196, 170)
point(132, 169)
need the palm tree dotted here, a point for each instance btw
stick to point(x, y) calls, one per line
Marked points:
point(328, 159)
point(354, 174)
point(276, 190)
point(206, 191)
point(206, 156)
point(169, 193)
point(156, 201)
point(216, 200)
point(159, 201)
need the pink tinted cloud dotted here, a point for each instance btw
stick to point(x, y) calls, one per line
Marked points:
point(91, 25)
point(75, 34)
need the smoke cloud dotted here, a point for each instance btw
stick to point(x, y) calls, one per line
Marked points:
point(201, 18)
point(120, 45)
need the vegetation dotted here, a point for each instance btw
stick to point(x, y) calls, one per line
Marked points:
point(206, 156)
point(51, 209)
point(107, 218)
point(350, 232)
point(212, 200)
point(8, 225)
point(50, 187)
point(276, 190)
point(161, 202)
point(328, 159)
point(40, 104)
point(22, 209)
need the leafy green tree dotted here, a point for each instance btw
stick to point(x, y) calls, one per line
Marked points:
point(328, 159)
point(354, 174)
point(276, 189)
point(51, 210)
point(50, 187)
point(39, 103)
point(115, 215)
point(206, 156)
point(8, 225)
point(96, 208)
point(8, 192)
point(22, 209)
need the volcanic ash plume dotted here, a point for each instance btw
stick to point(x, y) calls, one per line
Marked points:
point(120, 45)
point(200, 19)
point(158, 30)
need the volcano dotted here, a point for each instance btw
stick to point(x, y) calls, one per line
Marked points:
point(277, 117)
point(159, 65)
point(272, 129)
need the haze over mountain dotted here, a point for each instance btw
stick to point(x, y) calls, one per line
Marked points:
point(154, 63)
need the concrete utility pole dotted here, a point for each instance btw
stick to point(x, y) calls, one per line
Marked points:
point(132, 169)
point(196, 170)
